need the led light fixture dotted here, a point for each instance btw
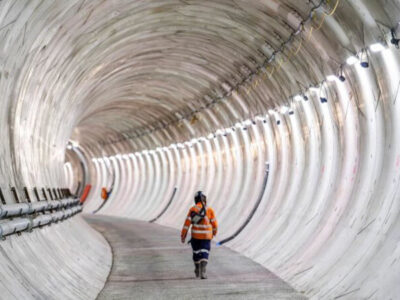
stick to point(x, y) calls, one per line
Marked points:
point(351, 60)
point(284, 109)
point(331, 77)
point(377, 47)
point(298, 98)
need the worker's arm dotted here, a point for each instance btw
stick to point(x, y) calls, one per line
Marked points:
point(186, 225)
point(214, 222)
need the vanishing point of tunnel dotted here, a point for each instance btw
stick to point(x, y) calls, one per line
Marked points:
point(264, 132)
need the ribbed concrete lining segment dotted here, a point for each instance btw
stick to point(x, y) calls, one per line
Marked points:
point(54, 263)
point(102, 71)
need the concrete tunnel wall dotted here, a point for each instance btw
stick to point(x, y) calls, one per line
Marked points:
point(201, 95)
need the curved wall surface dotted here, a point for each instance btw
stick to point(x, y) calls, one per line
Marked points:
point(284, 113)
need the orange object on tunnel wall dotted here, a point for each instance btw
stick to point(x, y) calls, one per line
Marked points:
point(104, 194)
point(85, 192)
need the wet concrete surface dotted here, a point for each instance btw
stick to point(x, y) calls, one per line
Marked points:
point(150, 262)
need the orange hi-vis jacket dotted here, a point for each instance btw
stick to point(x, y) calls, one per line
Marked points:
point(205, 229)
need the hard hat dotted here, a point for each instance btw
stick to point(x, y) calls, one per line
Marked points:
point(199, 196)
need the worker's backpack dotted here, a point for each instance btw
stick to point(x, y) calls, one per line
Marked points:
point(198, 216)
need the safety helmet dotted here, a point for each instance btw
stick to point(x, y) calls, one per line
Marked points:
point(199, 196)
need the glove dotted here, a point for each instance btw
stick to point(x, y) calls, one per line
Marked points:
point(183, 238)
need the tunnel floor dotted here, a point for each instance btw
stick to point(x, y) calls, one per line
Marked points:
point(149, 262)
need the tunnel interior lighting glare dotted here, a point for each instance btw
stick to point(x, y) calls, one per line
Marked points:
point(272, 112)
point(247, 123)
point(284, 109)
point(94, 159)
point(238, 125)
point(377, 47)
point(314, 89)
point(351, 60)
point(228, 130)
point(331, 78)
point(125, 156)
point(210, 136)
point(131, 155)
point(219, 132)
point(298, 98)
point(69, 147)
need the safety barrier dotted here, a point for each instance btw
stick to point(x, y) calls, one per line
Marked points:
point(18, 217)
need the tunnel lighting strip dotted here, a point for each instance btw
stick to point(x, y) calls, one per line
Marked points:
point(319, 88)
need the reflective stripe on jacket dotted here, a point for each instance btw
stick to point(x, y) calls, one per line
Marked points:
point(205, 229)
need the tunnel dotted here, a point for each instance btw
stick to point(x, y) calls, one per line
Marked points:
point(283, 113)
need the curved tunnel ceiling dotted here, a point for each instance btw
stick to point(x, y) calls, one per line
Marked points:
point(201, 95)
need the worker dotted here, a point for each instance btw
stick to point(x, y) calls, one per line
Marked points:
point(204, 228)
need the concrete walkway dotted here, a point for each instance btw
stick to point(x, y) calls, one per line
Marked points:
point(151, 263)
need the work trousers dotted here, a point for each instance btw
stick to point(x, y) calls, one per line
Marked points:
point(201, 250)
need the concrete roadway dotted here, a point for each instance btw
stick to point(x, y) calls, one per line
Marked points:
point(149, 262)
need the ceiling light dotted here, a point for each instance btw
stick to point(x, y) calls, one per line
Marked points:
point(284, 109)
point(298, 98)
point(377, 47)
point(247, 123)
point(351, 60)
point(331, 77)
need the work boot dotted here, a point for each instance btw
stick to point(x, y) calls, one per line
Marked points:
point(197, 270)
point(203, 265)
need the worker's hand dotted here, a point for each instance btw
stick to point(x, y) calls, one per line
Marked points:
point(183, 239)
